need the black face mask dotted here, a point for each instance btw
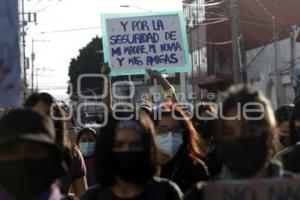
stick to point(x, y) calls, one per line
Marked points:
point(130, 166)
point(244, 157)
point(26, 179)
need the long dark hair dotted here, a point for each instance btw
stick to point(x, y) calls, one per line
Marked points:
point(294, 137)
point(190, 138)
point(284, 113)
point(242, 95)
point(38, 97)
point(205, 128)
point(59, 123)
point(104, 166)
point(58, 112)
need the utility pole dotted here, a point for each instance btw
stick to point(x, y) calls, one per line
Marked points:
point(236, 56)
point(33, 56)
point(293, 56)
point(277, 73)
point(24, 50)
point(32, 67)
point(31, 17)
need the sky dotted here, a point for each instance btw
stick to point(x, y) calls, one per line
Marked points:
point(54, 42)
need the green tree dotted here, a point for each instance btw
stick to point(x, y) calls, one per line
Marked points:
point(88, 61)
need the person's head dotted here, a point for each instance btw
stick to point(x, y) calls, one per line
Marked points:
point(125, 150)
point(204, 118)
point(30, 161)
point(245, 131)
point(174, 131)
point(46, 104)
point(283, 116)
point(40, 102)
point(295, 125)
point(86, 140)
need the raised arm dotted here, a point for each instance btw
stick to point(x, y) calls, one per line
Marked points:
point(168, 89)
point(106, 86)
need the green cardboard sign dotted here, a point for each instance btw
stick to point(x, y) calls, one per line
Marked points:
point(133, 43)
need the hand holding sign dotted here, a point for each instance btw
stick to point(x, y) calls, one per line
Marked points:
point(154, 74)
point(104, 69)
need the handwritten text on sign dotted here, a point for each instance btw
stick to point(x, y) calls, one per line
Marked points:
point(266, 189)
point(9, 54)
point(143, 42)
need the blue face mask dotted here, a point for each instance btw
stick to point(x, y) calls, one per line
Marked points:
point(169, 143)
point(87, 149)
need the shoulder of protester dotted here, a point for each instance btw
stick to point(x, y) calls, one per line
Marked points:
point(195, 192)
point(70, 198)
point(280, 154)
point(168, 186)
point(92, 193)
point(196, 165)
point(166, 182)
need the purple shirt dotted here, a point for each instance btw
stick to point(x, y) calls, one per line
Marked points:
point(89, 163)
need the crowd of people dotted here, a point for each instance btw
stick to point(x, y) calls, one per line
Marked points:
point(149, 153)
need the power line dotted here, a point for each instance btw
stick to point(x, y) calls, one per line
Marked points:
point(204, 4)
point(35, 5)
point(263, 49)
point(47, 7)
point(214, 43)
point(265, 9)
point(211, 23)
point(71, 30)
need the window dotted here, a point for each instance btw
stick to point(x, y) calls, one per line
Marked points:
point(199, 62)
point(198, 11)
point(194, 12)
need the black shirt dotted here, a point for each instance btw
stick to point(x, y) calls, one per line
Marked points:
point(291, 158)
point(184, 171)
point(158, 189)
point(214, 164)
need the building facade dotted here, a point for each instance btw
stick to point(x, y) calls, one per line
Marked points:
point(262, 71)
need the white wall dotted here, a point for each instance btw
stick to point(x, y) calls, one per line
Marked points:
point(261, 73)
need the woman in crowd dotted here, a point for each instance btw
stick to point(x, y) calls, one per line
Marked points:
point(30, 160)
point(283, 117)
point(178, 147)
point(86, 140)
point(75, 178)
point(125, 162)
point(291, 155)
point(244, 138)
point(177, 141)
point(204, 121)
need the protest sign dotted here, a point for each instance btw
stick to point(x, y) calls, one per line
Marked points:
point(10, 86)
point(135, 42)
point(264, 189)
